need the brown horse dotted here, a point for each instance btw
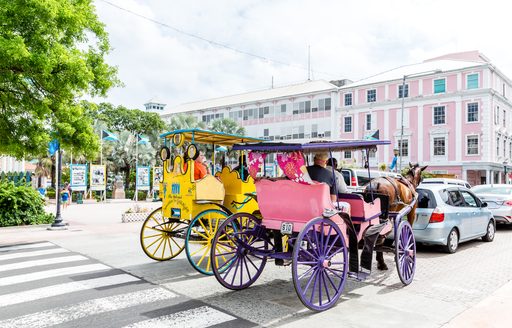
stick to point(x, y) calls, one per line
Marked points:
point(400, 193)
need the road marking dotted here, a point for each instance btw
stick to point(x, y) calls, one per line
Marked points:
point(51, 273)
point(85, 309)
point(70, 287)
point(55, 260)
point(34, 253)
point(28, 246)
point(200, 317)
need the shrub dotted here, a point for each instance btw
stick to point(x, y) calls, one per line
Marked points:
point(21, 205)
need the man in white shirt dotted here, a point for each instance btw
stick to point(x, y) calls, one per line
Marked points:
point(332, 165)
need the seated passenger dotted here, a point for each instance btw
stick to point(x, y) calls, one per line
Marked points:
point(241, 168)
point(332, 164)
point(200, 167)
point(320, 173)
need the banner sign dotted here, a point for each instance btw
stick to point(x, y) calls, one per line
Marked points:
point(158, 176)
point(98, 177)
point(78, 177)
point(142, 177)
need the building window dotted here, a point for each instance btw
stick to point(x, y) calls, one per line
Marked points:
point(439, 146)
point(472, 81)
point(439, 115)
point(472, 145)
point(348, 99)
point(472, 112)
point(439, 86)
point(347, 154)
point(403, 146)
point(368, 122)
point(347, 126)
point(283, 109)
point(504, 118)
point(498, 146)
point(371, 95)
point(400, 91)
point(497, 115)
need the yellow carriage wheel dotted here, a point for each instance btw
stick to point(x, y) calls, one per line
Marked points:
point(162, 238)
point(199, 238)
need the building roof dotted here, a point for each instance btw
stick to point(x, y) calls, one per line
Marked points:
point(254, 96)
point(435, 65)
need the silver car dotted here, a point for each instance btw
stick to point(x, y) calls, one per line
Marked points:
point(447, 215)
point(499, 200)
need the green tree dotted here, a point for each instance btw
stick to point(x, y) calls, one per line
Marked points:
point(183, 121)
point(51, 54)
point(227, 125)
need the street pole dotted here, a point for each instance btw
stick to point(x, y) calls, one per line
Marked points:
point(136, 165)
point(400, 145)
point(58, 224)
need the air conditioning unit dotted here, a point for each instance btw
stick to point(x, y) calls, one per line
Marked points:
point(321, 135)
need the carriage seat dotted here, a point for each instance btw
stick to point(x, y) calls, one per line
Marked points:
point(209, 188)
point(360, 210)
point(289, 201)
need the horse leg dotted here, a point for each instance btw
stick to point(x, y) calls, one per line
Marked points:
point(411, 217)
point(381, 265)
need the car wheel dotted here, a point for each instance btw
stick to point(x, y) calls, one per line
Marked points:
point(491, 232)
point(453, 242)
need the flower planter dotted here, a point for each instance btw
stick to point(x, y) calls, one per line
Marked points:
point(133, 217)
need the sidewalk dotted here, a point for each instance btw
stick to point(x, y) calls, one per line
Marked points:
point(494, 311)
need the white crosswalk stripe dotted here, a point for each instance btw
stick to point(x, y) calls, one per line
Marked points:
point(61, 289)
point(200, 317)
point(27, 246)
point(29, 264)
point(84, 309)
point(32, 254)
point(51, 273)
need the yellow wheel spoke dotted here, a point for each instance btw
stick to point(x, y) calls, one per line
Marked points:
point(202, 225)
point(154, 242)
point(202, 257)
point(170, 247)
point(156, 229)
point(160, 234)
point(163, 247)
point(210, 224)
point(200, 234)
point(209, 262)
point(200, 249)
point(174, 241)
point(158, 247)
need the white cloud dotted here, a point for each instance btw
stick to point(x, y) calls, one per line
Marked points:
point(350, 40)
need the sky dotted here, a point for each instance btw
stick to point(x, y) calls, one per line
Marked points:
point(182, 51)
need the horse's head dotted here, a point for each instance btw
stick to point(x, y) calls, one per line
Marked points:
point(414, 174)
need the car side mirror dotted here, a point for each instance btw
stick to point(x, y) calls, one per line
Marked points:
point(484, 204)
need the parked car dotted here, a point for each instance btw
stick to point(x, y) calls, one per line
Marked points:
point(448, 215)
point(356, 179)
point(499, 200)
point(447, 181)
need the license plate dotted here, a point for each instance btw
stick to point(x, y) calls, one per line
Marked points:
point(286, 228)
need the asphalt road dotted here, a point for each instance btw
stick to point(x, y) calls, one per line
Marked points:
point(101, 278)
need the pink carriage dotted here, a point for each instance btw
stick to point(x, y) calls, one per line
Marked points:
point(320, 236)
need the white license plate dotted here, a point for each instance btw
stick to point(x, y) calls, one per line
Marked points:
point(286, 228)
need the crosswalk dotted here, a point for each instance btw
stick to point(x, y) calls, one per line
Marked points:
point(44, 285)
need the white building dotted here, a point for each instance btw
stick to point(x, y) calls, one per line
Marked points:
point(155, 105)
point(11, 164)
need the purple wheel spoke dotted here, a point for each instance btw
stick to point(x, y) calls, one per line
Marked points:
point(309, 281)
point(222, 254)
point(314, 288)
point(241, 271)
point(321, 244)
point(327, 238)
point(310, 255)
point(339, 250)
point(332, 283)
point(247, 269)
point(236, 270)
point(310, 242)
point(227, 262)
point(307, 262)
point(252, 263)
point(320, 286)
point(305, 273)
point(326, 287)
point(232, 262)
point(317, 242)
point(338, 262)
point(332, 244)
point(334, 273)
point(226, 245)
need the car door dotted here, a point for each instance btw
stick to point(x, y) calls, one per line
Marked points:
point(478, 216)
point(462, 214)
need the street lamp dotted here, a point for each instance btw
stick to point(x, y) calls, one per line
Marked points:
point(400, 144)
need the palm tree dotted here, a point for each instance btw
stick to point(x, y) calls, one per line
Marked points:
point(183, 121)
point(227, 125)
point(43, 169)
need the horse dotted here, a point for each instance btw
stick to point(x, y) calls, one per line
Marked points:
point(400, 193)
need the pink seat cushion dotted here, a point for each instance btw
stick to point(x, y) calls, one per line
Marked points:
point(255, 162)
point(293, 167)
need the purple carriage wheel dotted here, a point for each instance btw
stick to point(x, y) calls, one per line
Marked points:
point(405, 252)
point(234, 261)
point(320, 264)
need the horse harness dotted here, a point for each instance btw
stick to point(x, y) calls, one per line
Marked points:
point(403, 181)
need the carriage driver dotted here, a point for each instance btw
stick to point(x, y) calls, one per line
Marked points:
point(320, 173)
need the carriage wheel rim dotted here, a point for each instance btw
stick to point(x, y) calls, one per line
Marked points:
point(234, 267)
point(156, 239)
point(320, 265)
point(200, 258)
point(405, 253)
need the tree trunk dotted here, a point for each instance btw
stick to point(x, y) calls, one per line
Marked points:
point(127, 177)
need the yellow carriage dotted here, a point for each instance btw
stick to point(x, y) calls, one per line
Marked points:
point(193, 209)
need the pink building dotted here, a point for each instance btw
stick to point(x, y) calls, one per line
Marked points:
point(455, 116)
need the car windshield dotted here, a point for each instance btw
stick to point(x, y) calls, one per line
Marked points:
point(495, 190)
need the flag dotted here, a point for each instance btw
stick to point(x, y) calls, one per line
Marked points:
point(53, 146)
point(142, 140)
point(374, 136)
point(109, 136)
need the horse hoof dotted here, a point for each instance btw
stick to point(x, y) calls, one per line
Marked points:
point(382, 266)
